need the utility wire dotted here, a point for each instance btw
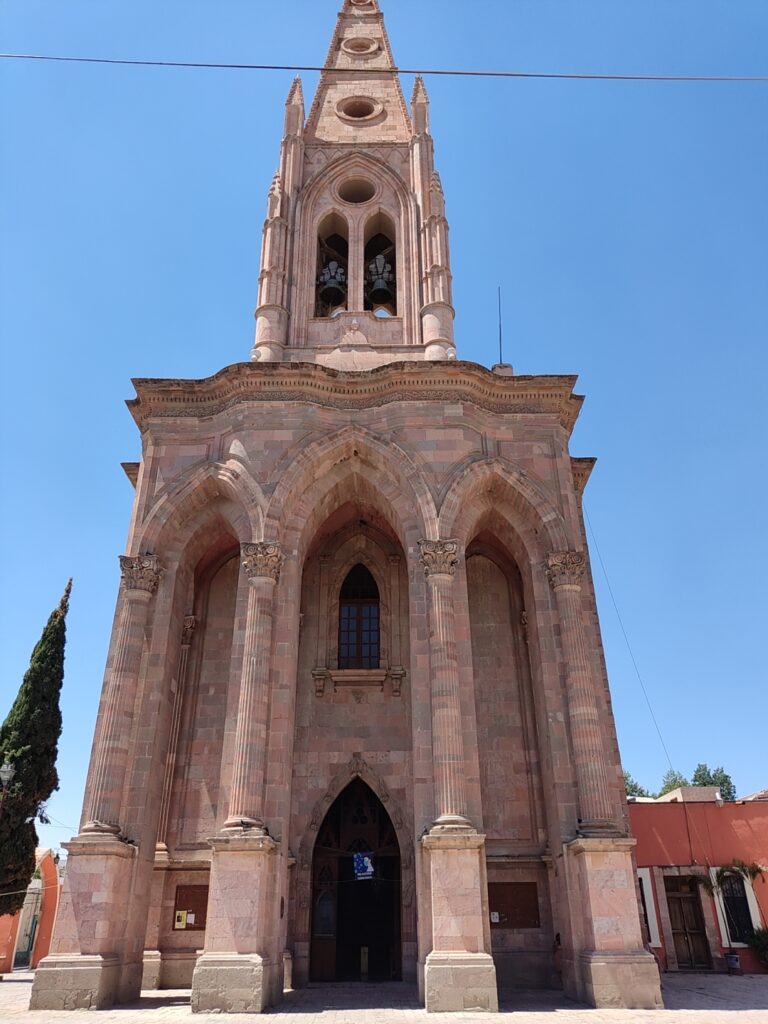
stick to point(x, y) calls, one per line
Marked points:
point(626, 638)
point(394, 71)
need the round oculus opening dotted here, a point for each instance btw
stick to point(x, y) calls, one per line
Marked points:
point(357, 190)
point(360, 3)
point(357, 107)
point(360, 46)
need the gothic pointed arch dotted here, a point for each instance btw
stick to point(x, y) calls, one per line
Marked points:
point(359, 768)
point(498, 484)
point(229, 486)
point(317, 467)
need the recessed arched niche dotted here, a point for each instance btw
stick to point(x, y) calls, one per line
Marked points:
point(331, 284)
point(380, 266)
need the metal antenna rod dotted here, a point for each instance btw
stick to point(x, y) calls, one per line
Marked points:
point(501, 354)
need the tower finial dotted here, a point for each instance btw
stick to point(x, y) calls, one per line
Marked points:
point(419, 107)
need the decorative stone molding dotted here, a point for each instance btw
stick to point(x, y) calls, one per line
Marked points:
point(325, 387)
point(566, 568)
point(262, 559)
point(187, 630)
point(142, 572)
point(439, 557)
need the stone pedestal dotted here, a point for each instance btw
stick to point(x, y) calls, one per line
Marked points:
point(84, 969)
point(610, 966)
point(241, 968)
point(459, 974)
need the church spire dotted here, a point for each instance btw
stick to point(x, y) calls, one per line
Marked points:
point(359, 87)
point(355, 267)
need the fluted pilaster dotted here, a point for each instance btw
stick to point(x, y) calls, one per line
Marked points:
point(439, 559)
point(140, 578)
point(187, 633)
point(565, 570)
point(261, 563)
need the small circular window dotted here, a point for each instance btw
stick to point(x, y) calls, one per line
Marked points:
point(356, 190)
point(357, 108)
point(360, 46)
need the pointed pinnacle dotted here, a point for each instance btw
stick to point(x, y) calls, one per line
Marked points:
point(296, 93)
point(419, 94)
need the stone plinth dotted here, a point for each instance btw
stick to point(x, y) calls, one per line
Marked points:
point(610, 966)
point(240, 970)
point(84, 967)
point(459, 973)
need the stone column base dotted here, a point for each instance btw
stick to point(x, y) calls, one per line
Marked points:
point(150, 977)
point(234, 983)
point(628, 980)
point(85, 982)
point(457, 982)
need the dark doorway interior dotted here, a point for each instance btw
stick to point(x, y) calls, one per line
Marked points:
point(356, 921)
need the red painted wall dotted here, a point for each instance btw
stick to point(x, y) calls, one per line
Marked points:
point(705, 834)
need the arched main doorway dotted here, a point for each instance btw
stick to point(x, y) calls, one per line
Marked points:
point(356, 900)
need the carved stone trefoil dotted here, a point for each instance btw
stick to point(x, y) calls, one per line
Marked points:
point(439, 557)
point(141, 572)
point(566, 568)
point(262, 559)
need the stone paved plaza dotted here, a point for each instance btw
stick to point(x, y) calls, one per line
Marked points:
point(690, 999)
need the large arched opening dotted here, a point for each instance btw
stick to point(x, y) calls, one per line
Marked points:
point(356, 891)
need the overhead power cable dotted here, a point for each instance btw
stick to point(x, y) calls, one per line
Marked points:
point(626, 639)
point(585, 76)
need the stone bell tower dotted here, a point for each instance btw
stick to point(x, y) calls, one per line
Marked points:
point(355, 721)
point(355, 261)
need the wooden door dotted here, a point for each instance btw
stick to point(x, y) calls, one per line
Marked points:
point(690, 937)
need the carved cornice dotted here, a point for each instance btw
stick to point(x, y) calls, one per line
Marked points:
point(262, 559)
point(566, 568)
point(187, 630)
point(142, 572)
point(310, 383)
point(439, 557)
point(581, 468)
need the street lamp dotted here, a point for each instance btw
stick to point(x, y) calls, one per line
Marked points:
point(7, 771)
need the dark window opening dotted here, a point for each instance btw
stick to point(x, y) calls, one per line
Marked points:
point(380, 275)
point(737, 915)
point(332, 271)
point(359, 620)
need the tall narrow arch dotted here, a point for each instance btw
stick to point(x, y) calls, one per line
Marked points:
point(332, 279)
point(356, 891)
point(359, 620)
point(380, 266)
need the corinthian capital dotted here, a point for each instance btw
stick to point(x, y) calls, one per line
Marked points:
point(566, 567)
point(439, 557)
point(262, 559)
point(142, 572)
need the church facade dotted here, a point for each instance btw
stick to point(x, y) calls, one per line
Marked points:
point(355, 723)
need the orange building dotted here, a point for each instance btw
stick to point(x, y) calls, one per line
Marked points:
point(25, 937)
point(692, 832)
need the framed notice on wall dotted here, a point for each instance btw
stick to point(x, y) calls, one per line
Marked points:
point(190, 908)
point(513, 904)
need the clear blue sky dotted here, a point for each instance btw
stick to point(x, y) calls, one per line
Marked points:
point(626, 222)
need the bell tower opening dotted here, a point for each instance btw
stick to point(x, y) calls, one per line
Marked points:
point(380, 267)
point(332, 266)
point(356, 933)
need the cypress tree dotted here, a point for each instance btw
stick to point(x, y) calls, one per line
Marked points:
point(29, 740)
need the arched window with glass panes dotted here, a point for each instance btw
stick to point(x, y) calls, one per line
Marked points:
point(359, 638)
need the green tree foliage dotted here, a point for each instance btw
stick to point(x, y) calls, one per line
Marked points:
point(705, 776)
point(672, 780)
point(29, 740)
point(634, 788)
